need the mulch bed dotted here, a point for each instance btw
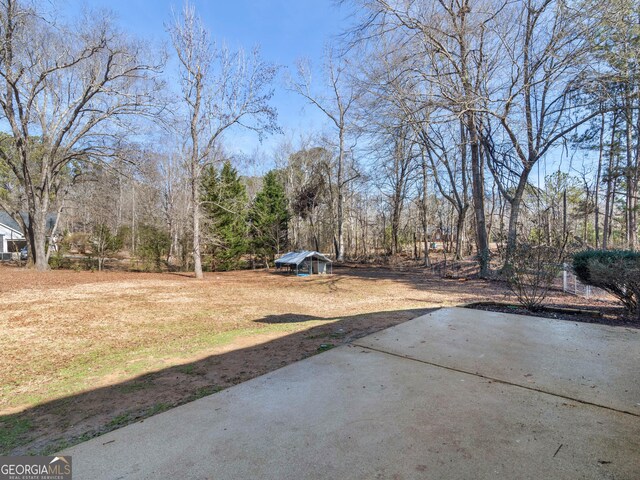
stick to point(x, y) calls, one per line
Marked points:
point(601, 314)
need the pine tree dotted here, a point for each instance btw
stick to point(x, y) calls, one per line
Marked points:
point(615, 42)
point(224, 200)
point(269, 218)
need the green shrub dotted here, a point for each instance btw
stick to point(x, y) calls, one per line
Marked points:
point(57, 261)
point(153, 246)
point(616, 271)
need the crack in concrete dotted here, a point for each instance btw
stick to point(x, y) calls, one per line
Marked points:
point(498, 380)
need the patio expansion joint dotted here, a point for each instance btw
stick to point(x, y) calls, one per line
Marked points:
point(497, 380)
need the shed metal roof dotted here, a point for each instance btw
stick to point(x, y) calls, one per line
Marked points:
point(296, 258)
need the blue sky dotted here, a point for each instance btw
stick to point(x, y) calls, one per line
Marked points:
point(285, 30)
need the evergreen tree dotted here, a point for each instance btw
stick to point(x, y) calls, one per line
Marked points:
point(269, 218)
point(153, 246)
point(224, 199)
point(615, 42)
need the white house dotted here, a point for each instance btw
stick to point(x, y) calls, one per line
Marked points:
point(11, 237)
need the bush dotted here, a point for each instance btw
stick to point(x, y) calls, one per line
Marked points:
point(104, 244)
point(57, 261)
point(76, 242)
point(531, 273)
point(616, 271)
point(153, 246)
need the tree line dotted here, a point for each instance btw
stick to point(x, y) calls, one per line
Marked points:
point(466, 125)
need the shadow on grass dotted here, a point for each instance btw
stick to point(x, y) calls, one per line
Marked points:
point(288, 318)
point(60, 423)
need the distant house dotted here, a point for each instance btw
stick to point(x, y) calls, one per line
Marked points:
point(11, 236)
point(305, 262)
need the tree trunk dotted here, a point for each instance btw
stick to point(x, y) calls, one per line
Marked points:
point(39, 222)
point(565, 228)
point(608, 207)
point(477, 176)
point(53, 246)
point(462, 214)
point(633, 193)
point(314, 233)
point(596, 193)
point(628, 148)
point(515, 202)
point(424, 213)
point(197, 258)
point(395, 226)
point(339, 207)
point(482, 241)
point(133, 218)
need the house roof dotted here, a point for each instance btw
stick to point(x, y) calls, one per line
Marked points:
point(8, 221)
point(296, 258)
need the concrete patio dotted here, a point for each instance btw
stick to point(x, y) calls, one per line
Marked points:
point(456, 394)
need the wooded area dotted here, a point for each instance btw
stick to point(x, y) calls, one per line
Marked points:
point(470, 126)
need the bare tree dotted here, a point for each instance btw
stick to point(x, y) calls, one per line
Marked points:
point(449, 38)
point(534, 103)
point(450, 172)
point(337, 107)
point(307, 191)
point(423, 205)
point(220, 90)
point(172, 186)
point(66, 91)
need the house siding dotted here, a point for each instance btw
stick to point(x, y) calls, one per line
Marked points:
point(8, 234)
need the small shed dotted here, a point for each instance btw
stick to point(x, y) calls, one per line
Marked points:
point(305, 263)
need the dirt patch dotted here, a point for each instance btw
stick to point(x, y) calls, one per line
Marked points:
point(87, 352)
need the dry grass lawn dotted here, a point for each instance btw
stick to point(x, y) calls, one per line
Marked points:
point(83, 353)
